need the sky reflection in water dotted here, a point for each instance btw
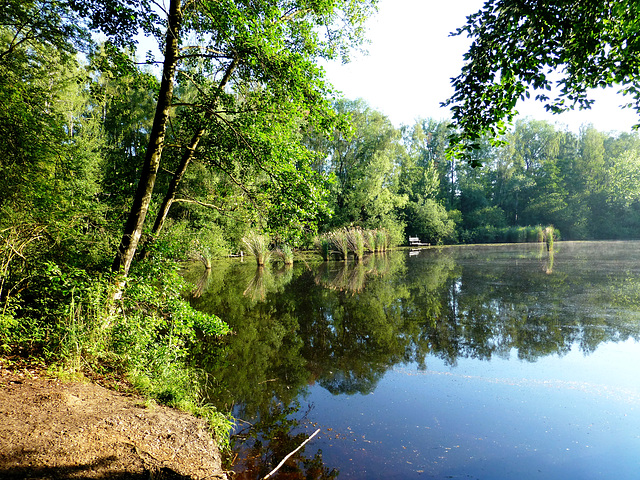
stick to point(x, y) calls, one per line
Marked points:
point(488, 363)
point(569, 417)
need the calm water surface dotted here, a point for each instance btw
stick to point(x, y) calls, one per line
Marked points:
point(469, 362)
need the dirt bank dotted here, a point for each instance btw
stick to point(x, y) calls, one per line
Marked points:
point(50, 429)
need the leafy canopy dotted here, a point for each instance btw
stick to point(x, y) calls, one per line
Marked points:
point(524, 45)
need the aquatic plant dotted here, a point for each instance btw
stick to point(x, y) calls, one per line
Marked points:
point(285, 253)
point(258, 246)
point(369, 239)
point(323, 246)
point(382, 240)
point(548, 236)
point(340, 243)
point(355, 241)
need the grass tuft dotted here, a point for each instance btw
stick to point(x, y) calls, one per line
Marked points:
point(258, 246)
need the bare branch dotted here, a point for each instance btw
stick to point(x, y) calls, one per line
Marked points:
point(197, 202)
point(290, 455)
point(161, 7)
point(293, 12)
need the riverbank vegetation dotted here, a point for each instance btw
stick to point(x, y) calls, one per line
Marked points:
point(115, 169)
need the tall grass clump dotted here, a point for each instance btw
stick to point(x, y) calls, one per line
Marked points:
point(549, 233)
point(258, 246)
point(369, 239)
point(382, 240)
point(340, 243)
point(285, 253)
point(323, 246)
point(355, 241)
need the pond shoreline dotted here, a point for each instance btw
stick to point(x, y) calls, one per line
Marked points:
point(55, 429)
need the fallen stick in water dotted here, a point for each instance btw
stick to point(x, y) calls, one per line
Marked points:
point(290, 455)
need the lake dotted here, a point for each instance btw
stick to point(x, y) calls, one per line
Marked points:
point(482, 362)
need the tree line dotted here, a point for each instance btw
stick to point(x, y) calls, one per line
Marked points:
point(115, 164)
point(583, 183)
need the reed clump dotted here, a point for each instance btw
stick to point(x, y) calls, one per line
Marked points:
point(352, 241)
point(285, 254)
point(382, 240)
point(355, 242)
point(258, 246)
point(549, 233)
point(340, 243)
point(323, 246)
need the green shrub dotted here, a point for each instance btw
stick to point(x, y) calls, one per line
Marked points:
point(74, 321)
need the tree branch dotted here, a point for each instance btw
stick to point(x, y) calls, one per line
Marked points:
point(203, 204)
point(293, 13)
point(197, 202)
point(290, 455)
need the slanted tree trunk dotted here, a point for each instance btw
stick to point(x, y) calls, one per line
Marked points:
point(187, 156)
point(135, 221)
point(170, 196)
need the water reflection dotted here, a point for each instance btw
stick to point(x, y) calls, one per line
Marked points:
point(271, 439)
point(350, 277)
point(343, 326)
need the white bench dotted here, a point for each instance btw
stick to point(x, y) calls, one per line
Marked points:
point(415, 242)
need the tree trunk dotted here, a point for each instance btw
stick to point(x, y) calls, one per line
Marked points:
point(187, 156)
point(135, 222)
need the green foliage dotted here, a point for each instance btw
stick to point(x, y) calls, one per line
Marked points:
point(515, 48)
point(76, 140)
point(493, 216)
point(363, 162)
point(254, 94)
point(429, 220)
point(424, 174)
point(70, 317)
point(548, 176)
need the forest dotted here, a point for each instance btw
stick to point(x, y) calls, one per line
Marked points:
point(118, 166)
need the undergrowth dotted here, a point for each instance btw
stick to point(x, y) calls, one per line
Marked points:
point(145, 336)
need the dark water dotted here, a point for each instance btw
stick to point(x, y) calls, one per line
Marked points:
point(477, 363)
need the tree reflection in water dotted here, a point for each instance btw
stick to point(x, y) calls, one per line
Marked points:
point(344, 325)
point(264, 444)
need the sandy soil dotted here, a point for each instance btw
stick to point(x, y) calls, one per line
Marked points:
point(50, 429)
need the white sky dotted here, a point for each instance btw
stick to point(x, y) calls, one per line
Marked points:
point(412, 59)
